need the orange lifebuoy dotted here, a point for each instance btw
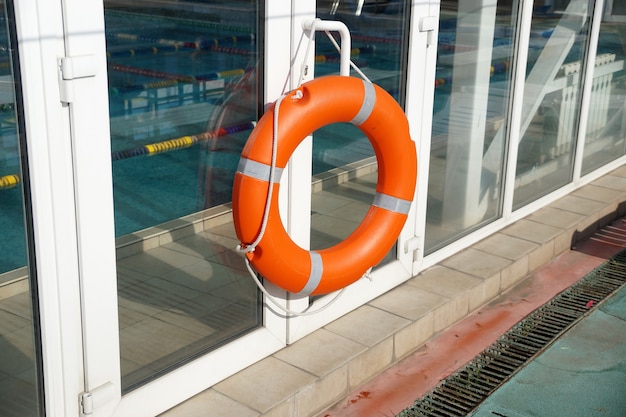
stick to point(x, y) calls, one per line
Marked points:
point(317, 103)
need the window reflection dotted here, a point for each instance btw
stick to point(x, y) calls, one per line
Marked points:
point(183, 100)
point(472, 89)
point(551, 99)
point(183, 97)
point(344, 165)
point(606, 123)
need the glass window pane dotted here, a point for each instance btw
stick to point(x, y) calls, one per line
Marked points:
point(606, 123)
point(183, 100)
point(344, 165)
point(20, 385)
point(472, 91)
point(551, 99)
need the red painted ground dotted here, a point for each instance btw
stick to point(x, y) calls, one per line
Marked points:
point(398, 387)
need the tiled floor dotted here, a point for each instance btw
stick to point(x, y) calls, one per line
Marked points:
point(330, 365)
point(181, 298)
point(17, 373)
point(188, 295)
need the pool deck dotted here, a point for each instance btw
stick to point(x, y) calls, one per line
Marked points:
point(583, 374)
point(428, 327)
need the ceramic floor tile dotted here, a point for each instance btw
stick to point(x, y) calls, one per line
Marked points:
point(271, 380)
point(210, 403)
point(367, 325)
point(600, 194)
point(201, 276)
point(477, 263)
point(532, 231)
point(17, 398)
point(138, 306)
point(226, 230)
point(230, 258)
point(320, 240)
point(551, 216)
point(150, 340)
point(445, 282)
point(16, 351)
point(506, 246)
point(199, 306)
point(408, 301)
point(159, 292)
point(333, 228)
point(128, 316)
point(10, 322)
point(19, 305)
point(242, 290)
point(157, 261)
point(127, 277)
point(579, 205)
point(612, 182)
point(185, 321)
point(203, 244)
point(320, 352)
point(355, 190)
point(325, 202)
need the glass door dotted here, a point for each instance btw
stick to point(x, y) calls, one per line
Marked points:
point(183, 97)
point(165, 97)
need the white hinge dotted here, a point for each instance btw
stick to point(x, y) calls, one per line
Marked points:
point(429, 24)
point(412, 244)
point(96, 397)
point(86, 403)
point(72, 68)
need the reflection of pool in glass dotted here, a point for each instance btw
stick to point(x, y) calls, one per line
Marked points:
point(12, 244)
point(151, 190)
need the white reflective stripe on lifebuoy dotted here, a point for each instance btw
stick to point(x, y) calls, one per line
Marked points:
point(391, 203)
point(315, 276)
point(258, 170)
point(369, 101)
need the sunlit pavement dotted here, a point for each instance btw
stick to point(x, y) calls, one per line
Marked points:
point(582, 374)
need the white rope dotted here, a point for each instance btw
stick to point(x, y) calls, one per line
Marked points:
point(251, 247)
point(287, 311)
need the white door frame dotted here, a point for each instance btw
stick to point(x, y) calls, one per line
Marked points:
point(420, 84)
point(46, 121)
point(188, 380)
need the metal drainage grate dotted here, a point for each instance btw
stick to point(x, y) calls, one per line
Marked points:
point(463, 391)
